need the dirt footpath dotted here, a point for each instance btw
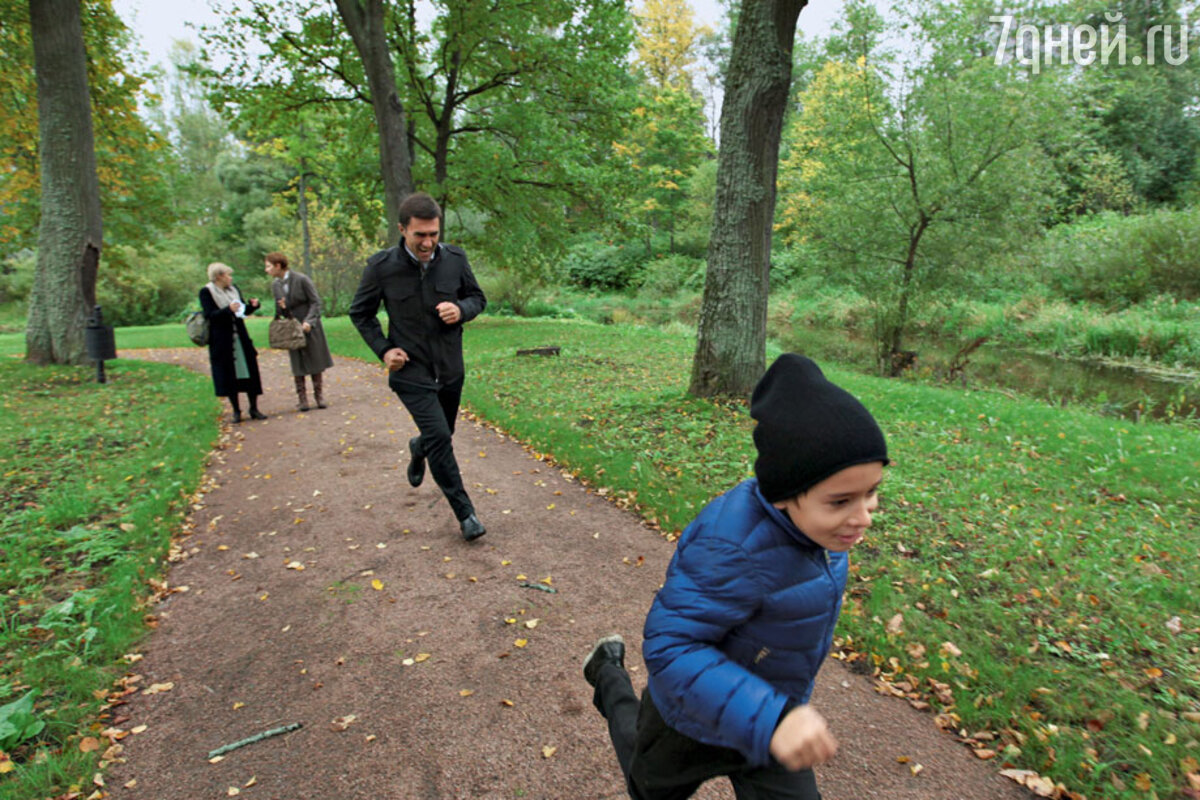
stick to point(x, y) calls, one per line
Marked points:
point(319, 589)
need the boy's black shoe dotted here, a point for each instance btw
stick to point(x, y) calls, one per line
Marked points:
point(608, 649)
point(472, 528)
point(256, 414)
point(416, 465)
point(237, 417)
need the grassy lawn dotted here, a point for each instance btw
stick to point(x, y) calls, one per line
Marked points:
point(1031, 578)
point(93, 481)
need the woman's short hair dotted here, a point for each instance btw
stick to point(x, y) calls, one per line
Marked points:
point(217, 268)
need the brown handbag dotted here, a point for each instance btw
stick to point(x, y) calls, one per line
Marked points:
point(286, 333)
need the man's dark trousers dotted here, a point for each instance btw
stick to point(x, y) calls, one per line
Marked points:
point(435, 412)
point(659, 763)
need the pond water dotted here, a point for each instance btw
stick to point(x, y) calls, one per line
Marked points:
point(1109, 388)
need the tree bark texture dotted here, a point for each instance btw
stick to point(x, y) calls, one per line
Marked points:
point(69, 236)
point(364, 20)
point(731, 342)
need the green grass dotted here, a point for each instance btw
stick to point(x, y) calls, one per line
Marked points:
point(93, 480)
point(1054, 550)
point(1037, 557)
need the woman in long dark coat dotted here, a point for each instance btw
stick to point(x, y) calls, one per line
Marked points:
point(296, 295)
point(231, 354)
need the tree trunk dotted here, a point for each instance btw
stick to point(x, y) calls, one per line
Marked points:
point(69, 237)
point(302, 208)
point(731, 343)
point(364, 21)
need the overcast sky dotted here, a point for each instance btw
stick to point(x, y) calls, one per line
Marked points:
point(158, 22)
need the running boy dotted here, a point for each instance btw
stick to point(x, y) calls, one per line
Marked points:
point(735, 637)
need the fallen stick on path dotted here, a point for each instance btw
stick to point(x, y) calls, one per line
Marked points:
point(258, 737)
point(539, 587)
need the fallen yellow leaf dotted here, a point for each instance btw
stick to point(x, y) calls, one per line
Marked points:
point(466, 692)
point(520, 642)
point(377, 585)
point(548, 751)
point(421, 657)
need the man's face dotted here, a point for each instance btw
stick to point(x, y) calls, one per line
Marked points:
point(272, 268)
point(421, 236)
point(837, 511)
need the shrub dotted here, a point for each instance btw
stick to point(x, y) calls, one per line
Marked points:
point(16, 276)
point(667, 275)
point(1120, 261)
point(145, 288)
point(595, 264)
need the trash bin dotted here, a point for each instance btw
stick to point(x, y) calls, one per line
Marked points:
point(100, 343)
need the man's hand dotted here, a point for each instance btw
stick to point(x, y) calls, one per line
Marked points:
point(449, 312)
point(802, 739)
point(306, 327)
point(395, 359)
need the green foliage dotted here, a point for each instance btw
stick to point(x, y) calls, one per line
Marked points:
point(1119, 261)
point(907, 186)
point(137, 288)
point(593, 262)
point(512, 108)
point(130, 156)
point(93, 480)
point(670, 274)
point(16, 276)
point(18, 722)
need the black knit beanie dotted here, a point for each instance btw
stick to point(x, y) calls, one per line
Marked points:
point(808, 429)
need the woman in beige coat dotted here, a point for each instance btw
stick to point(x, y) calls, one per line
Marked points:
point(296, 296)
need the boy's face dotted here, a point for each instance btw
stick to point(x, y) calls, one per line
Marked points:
point(837, 511)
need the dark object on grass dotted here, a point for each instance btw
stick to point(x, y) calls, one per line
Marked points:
point(539, 587)
point(99, 341)
point(540, 351)
point(258, 737)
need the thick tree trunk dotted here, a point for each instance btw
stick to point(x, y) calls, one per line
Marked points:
point(364, 21)
point(731, 342)
point(69, 238)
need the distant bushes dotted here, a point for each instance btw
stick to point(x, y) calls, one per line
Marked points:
point(593, 263)
point(145, 289)
point(133, 288)
point(1121, 261)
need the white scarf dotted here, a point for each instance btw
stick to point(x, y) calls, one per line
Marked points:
point(222, 297)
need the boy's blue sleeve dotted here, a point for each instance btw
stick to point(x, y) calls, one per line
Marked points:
point(711, 589)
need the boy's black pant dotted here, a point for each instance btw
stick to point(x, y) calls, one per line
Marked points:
point(435, 412)
point(659, 763)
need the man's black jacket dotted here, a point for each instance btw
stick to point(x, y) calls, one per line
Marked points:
point(410, 297)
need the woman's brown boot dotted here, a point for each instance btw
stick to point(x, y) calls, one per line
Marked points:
point(301, 393)
point(318, 390)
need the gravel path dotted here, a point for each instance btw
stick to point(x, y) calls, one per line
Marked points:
point(316, 587)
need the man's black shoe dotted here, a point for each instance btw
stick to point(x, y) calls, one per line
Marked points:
point(608, 649)
point(472, 528)
point(237, 417)
point(256, 414)
point(416, 465)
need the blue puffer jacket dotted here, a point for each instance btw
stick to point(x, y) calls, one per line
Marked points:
point(742, 623)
